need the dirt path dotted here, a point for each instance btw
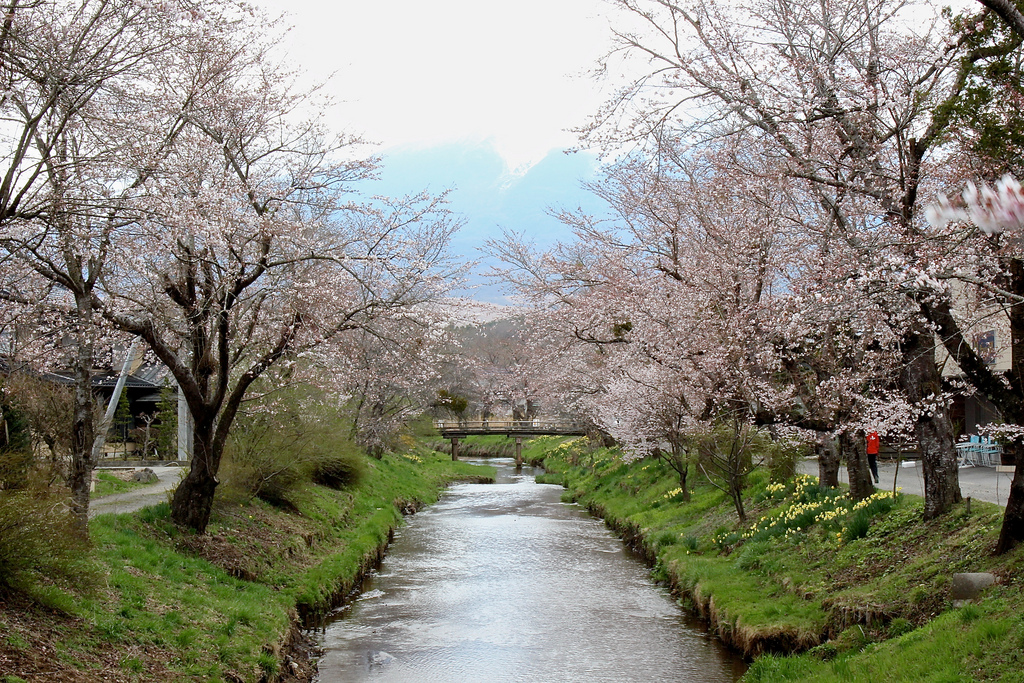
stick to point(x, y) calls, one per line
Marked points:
point(139, 498)
point(980, 483)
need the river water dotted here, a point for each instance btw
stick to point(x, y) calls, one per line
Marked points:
point(503, 582)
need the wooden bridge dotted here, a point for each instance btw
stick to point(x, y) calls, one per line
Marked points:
point(515, 429)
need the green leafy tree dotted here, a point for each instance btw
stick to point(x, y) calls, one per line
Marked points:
point(986, 118)
point(166, 423)
point(15, 450)
point(452, 403)
point(122, 420)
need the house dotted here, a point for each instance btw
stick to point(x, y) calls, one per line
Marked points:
point(989, 335)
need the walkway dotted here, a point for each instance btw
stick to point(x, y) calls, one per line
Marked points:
point(980, 483)
point(167, 478)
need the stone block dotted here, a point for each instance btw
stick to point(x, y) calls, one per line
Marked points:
point(968, 586)
point(145, 476)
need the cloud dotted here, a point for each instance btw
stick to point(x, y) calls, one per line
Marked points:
point(413, 72)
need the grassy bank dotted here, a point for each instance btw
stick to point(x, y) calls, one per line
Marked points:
point(108, 484)
point(479, 446)
point(859, 592)
point(156, 604)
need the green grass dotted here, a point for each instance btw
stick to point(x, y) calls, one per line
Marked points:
point(107, 484)
point(480, 446)
point(174, 605)
point(983, 646)
point(861, 590)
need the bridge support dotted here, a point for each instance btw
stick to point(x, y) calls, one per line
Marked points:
point(519, 452)
point(455, 448)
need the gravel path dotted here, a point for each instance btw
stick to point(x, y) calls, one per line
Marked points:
point(981, 483)
point(141, 497)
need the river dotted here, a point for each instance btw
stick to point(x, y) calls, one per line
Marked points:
point(503, 582)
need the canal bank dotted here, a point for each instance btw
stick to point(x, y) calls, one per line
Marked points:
point(151, 603)
point(864, 592)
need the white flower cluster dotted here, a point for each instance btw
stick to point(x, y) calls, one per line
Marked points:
point(1007, 433)
point(993, 209)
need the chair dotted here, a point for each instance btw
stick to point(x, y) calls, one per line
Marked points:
point(980, 451)
point(969, 452)
point(989, 452)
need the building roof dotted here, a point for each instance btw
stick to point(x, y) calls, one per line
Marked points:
point(103, 380)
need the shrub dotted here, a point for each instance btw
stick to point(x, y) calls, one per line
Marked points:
point(14, 469)
point(271, 476)
point(273, 470)
point(853, 639)
point(665, 539)
point(749, 557)
point(899, 627)
point(338, 469)
point(37, 544)
point(782, 459)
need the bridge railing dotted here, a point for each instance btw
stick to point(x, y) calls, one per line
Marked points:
point(503, 425)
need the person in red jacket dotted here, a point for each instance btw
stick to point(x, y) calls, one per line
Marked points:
point(873, 443)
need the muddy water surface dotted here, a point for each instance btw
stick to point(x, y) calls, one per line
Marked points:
point(503, 582)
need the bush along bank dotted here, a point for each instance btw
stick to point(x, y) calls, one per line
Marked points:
point(813, 587)
point(159, 604)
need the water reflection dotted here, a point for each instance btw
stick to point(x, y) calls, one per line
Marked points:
point(502, 582)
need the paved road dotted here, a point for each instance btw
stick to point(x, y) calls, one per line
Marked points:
point(981, 483)
point(138, 498)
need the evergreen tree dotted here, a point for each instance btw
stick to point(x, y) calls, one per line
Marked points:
point(167, 423)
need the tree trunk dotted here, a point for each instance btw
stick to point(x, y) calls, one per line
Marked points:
point(682, 468)
point(1012, 532)
point(854, 449)
point(828, 463)
point(82, 428)
point(736, 490)
point(193, 499)
point(921, 382)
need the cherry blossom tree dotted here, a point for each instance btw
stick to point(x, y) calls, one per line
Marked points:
point(260, 262)
point(387, 374)
point(988, 222)
point(85, 125)
point(848, 98)
point(180, 189)
point(670, 298)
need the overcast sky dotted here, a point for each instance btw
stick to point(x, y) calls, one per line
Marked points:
point(472, 96)
point(426, 72)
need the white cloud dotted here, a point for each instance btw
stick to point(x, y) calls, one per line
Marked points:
point(428, 72)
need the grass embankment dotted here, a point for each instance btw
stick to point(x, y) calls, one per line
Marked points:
point(108, 484)
point(479, 446)
point(163, 605)
point(862, 591)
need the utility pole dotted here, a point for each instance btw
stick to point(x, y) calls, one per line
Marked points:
point(184, 428)
point(101, 433)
